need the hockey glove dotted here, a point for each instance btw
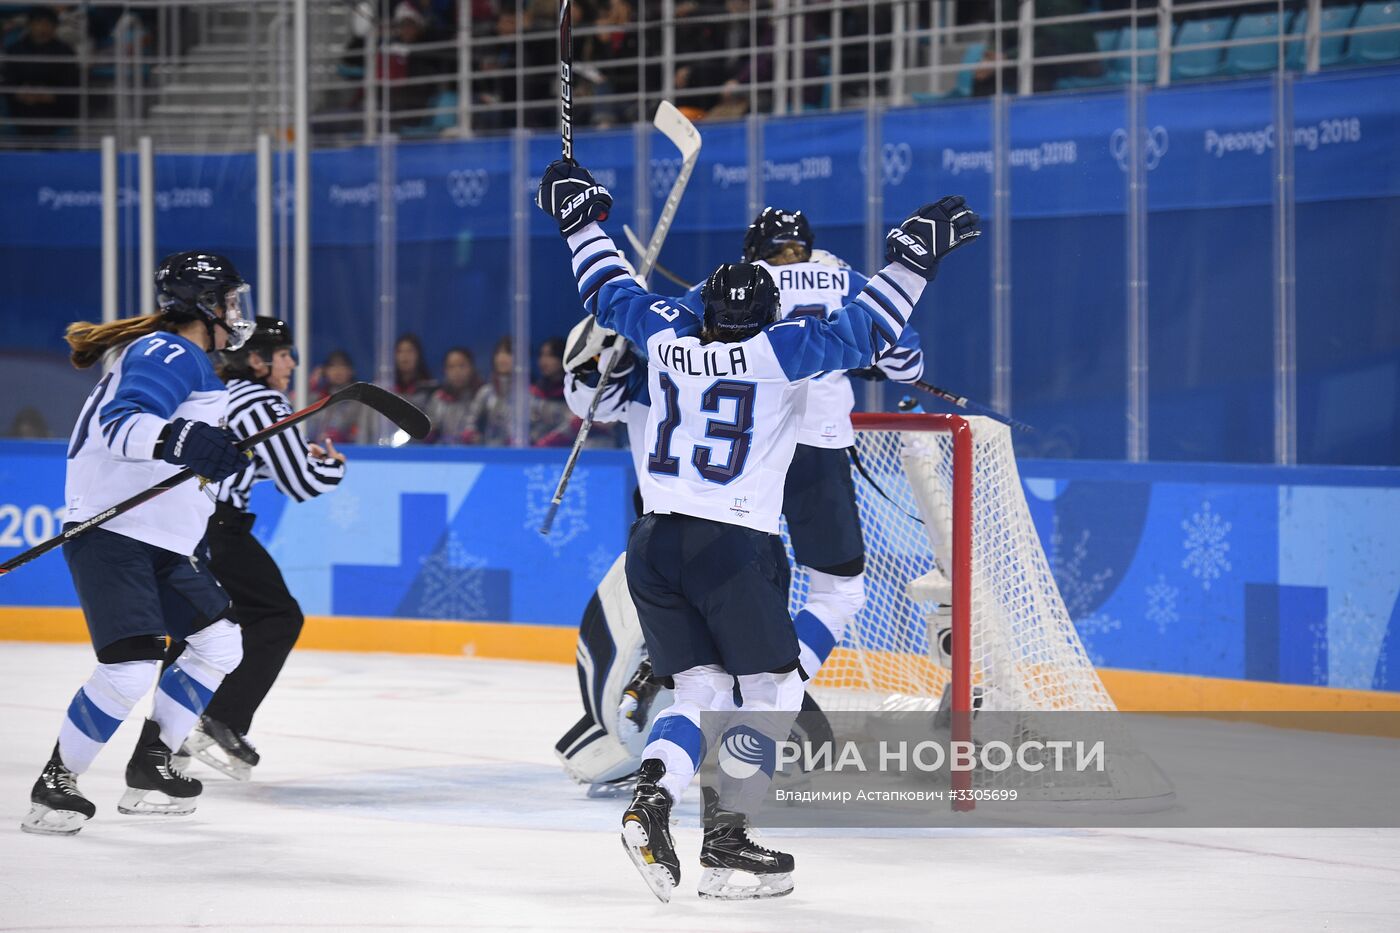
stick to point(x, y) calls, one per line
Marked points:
point(205, 449)
point(930, 233)
point(585, 342)
point(569, 194)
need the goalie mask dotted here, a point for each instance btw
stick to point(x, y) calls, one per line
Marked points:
point(740, 300)
point(775, 228)
point(206, 287)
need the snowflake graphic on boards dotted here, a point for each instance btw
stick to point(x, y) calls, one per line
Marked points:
point(454, 583)
point(1161, 604)
point(1078, 588)
point(1206, 545)
point(1350, 632)
point(600, 561)
point(1094, 625)
point(572, 519)
point(344, 511)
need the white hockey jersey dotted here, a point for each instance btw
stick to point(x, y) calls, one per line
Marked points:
point(724, 416)
point(821, 287)
point(110, 454)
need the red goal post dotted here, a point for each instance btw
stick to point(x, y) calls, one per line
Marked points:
point(960, 431)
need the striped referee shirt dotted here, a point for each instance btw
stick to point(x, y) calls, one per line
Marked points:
point(285, 459)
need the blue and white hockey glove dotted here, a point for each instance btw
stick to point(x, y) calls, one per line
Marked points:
point(205, 449)
point(930, 233)
point(570, 195)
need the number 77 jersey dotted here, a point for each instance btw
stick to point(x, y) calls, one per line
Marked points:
point(724, 416)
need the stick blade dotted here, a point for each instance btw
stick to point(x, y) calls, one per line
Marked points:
point(404, 414)
point(675, 127)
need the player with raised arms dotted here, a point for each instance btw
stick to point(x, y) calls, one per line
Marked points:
point(705, 565)
point(257, 375)
point(157, 410)
point(819, 496)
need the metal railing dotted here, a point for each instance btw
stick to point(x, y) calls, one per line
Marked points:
point(208, 74)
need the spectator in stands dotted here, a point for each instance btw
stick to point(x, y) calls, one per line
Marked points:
point(408, 68)
point(42, 67)
point(450, 407)
point(29, 423)
point(341, 423)
point(551, 422)
point(619, 43)
point(718, 83)
point(490, 415)
point(412, 379)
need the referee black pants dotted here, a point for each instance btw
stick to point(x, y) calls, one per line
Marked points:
point(262, 605)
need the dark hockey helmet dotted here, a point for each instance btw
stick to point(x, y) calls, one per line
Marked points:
point(740, 300)
point(206, 287)
point(269, 336)
point(773, 229)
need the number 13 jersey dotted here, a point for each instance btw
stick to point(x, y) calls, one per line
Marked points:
point(724, 416)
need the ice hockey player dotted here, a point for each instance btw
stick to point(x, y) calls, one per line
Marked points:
point(705, 566)
point(257, 375)
point(819, 497)
point(156, 412)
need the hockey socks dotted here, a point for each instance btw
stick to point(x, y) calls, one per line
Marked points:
point(187, 686)
point(99, 707)
point(832, 605)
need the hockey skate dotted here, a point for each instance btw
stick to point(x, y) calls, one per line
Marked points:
point(646, 832)
point(154, 784)
point(57, 808)
point(221, 748)
point(727, 849)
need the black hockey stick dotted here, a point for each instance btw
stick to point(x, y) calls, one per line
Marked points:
point(961, 401)
point(403, 413)
point(566, 78)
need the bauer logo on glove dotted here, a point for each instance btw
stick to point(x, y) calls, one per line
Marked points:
point(571, 195)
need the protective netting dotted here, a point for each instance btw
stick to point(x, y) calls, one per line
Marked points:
point(1025, 653)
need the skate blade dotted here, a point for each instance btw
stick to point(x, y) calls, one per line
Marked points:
point(658, 877)
point(611, 789)
point(238, 770)
point(718, 884)
point(44, 821)
point(135, 803)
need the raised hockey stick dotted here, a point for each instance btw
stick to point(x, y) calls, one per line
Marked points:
point(962, 401)
point(403, 413)
point(683, 135)
point(637, 247)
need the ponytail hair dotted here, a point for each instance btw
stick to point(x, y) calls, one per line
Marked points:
point(90, 342)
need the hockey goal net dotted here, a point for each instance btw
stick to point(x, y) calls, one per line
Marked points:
point(962, 611)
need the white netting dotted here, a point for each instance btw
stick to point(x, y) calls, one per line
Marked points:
point(1025, 654)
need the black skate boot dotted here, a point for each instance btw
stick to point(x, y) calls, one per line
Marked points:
point(221, 748)
point(57, 808)
point(154, 784)
point(646, 832)
point(728, 848)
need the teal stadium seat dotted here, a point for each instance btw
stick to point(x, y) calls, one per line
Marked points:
point(1189, 63)
point(1252, 59)
point(972, 56)
point(1369, 48)
point(1332, 49)
point(1145, 39)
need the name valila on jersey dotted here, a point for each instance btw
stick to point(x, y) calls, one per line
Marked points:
point(724, 417)
point(156, 378)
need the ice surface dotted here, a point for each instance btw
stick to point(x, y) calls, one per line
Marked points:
point(409, 793)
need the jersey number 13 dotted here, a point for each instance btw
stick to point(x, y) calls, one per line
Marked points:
point(738, 431)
